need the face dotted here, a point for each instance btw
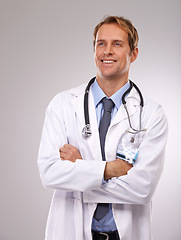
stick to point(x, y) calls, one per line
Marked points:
point(112, 53)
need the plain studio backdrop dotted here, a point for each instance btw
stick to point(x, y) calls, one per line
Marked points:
point(46, 47)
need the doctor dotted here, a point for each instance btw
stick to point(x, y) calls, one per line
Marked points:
point(73, 165)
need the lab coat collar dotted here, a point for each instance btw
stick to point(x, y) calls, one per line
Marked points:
point(132, 101)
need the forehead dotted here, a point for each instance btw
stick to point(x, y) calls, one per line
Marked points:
point(111, 31)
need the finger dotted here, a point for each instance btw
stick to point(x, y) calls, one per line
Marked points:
point(63, 149)
point(63, 155)
point(65, 145)
point(69, 146)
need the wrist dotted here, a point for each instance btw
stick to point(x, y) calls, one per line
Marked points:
point(116, 168)
point(109, 171)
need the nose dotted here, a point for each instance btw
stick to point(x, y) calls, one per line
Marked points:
point(108, 50)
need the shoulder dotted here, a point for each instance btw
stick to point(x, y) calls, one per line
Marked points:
point(64, 98)
point(152, 105)
point(73, 92)
point(154, 112)
point(150, 102)
point(134, 98)
point(151, 109)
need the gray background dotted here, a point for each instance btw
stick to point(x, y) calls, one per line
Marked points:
point(46, 47)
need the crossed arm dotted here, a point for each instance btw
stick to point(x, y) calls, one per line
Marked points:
point(114, 168)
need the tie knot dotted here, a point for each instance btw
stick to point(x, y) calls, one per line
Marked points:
point(107, 104)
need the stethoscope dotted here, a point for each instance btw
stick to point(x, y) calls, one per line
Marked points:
point(86, 131)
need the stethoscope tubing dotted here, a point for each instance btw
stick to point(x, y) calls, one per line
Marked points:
point(87, 130)
point(86, 108)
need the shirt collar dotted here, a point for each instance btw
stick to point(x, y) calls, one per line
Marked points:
point(98, 94)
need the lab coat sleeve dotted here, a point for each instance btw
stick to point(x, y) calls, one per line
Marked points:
point(138, 186)
point(58, 174)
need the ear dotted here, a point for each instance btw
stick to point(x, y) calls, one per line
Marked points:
point(134, 55)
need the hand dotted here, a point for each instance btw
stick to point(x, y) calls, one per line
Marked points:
point(69, 152)
point(116, 168)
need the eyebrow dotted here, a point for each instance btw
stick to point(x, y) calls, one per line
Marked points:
point(103, 40)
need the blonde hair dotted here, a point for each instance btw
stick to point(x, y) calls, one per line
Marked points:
point(125, 24)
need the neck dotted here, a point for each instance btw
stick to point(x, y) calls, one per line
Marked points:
point(111, 86)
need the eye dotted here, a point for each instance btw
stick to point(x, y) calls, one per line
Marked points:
point(117, 44)
point(100, 44)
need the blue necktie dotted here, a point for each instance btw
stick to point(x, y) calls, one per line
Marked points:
point(103, 208)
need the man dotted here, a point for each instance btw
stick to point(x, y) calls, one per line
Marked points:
point(98, 194)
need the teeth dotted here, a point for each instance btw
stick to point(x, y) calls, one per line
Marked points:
point(108, 61)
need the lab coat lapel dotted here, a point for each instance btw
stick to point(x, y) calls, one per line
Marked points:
point(132, 101)
point(92, 140)
point(78, 105)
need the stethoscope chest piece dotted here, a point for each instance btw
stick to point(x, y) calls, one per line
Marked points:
point(86, 131)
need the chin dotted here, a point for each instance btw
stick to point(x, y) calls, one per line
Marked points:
point(110, 76)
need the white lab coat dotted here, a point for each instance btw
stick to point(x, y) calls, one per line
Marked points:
point(78, 186)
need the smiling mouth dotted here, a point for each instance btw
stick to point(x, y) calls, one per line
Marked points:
point(108, 61)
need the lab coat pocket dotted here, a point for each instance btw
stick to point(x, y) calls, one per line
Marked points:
point(128, 147)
